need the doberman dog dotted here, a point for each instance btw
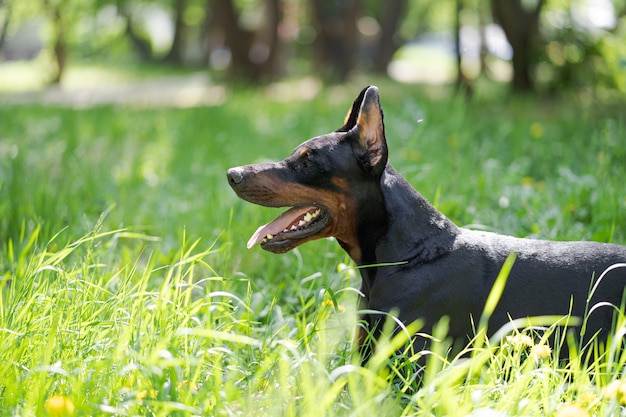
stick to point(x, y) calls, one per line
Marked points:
point(415, 261)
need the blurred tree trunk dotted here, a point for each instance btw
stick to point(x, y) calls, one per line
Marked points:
point(520, 21)
point(336, 41)
point(238, 40)
point(482, 33)
point(60, 43)
point(175, 54)
point(141, 45)
point(210, 37)
point(388, 43)
point(253, 57)
point(463, 84)
point(5, 24)
point(273, 16)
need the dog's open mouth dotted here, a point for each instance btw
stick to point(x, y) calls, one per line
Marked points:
point(296, 223)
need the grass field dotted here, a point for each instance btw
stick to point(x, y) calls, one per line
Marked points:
point(127, 288)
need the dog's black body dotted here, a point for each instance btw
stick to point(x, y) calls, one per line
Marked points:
point(341, 185)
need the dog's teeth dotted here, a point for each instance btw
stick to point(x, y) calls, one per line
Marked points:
point(285, 230)
point(308, 217)
point(294, 227)
point(269, 236)
point(302, 223)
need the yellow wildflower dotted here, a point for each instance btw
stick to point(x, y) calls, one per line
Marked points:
point(59, 405)
point(187, 385)
point(540, 351)
point(536, 130)
point(520, 340)
point(141, 395)
point(329, 303)
point(588, 399)
point(616, 389)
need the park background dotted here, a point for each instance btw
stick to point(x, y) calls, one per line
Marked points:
point(126, 285)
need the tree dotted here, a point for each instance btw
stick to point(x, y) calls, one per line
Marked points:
point(139, 43)
point(253, 52)
point(463, 83)
point(175, 55)
point(57, 15)
point(520, 21)
point(388, 42)
point(5, 25)
point(273, 13)
point(337, 36)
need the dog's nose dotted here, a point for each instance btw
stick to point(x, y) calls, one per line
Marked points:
point(235, 175)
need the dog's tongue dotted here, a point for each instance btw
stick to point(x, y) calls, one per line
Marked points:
point(279, 224)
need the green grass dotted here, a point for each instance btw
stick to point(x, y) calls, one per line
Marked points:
point(127, 288)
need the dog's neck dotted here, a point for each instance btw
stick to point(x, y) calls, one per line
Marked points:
point(415, 232)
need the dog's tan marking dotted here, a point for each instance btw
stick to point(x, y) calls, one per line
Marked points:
point(347, 118)
point(265, 187)
point(340, 183)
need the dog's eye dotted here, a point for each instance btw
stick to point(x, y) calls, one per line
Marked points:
point(304, 161)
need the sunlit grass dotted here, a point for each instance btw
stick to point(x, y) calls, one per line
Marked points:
point(91, 328)
point(127, 288)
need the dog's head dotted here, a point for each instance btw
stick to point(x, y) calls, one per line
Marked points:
point(328, 182)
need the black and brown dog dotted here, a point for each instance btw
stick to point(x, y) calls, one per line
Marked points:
point(425, 267)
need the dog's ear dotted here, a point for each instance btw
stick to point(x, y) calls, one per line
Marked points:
point(353, 113)
point(370, 130)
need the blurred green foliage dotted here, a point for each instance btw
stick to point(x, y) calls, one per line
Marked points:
point(573, 50)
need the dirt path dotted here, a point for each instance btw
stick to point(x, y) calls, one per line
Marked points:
point(179, 91)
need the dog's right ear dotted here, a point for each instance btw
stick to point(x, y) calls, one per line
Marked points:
point(366, 121)
point(371, 131)
point(353, 113)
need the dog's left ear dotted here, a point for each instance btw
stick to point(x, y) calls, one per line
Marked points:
point(370, 130)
